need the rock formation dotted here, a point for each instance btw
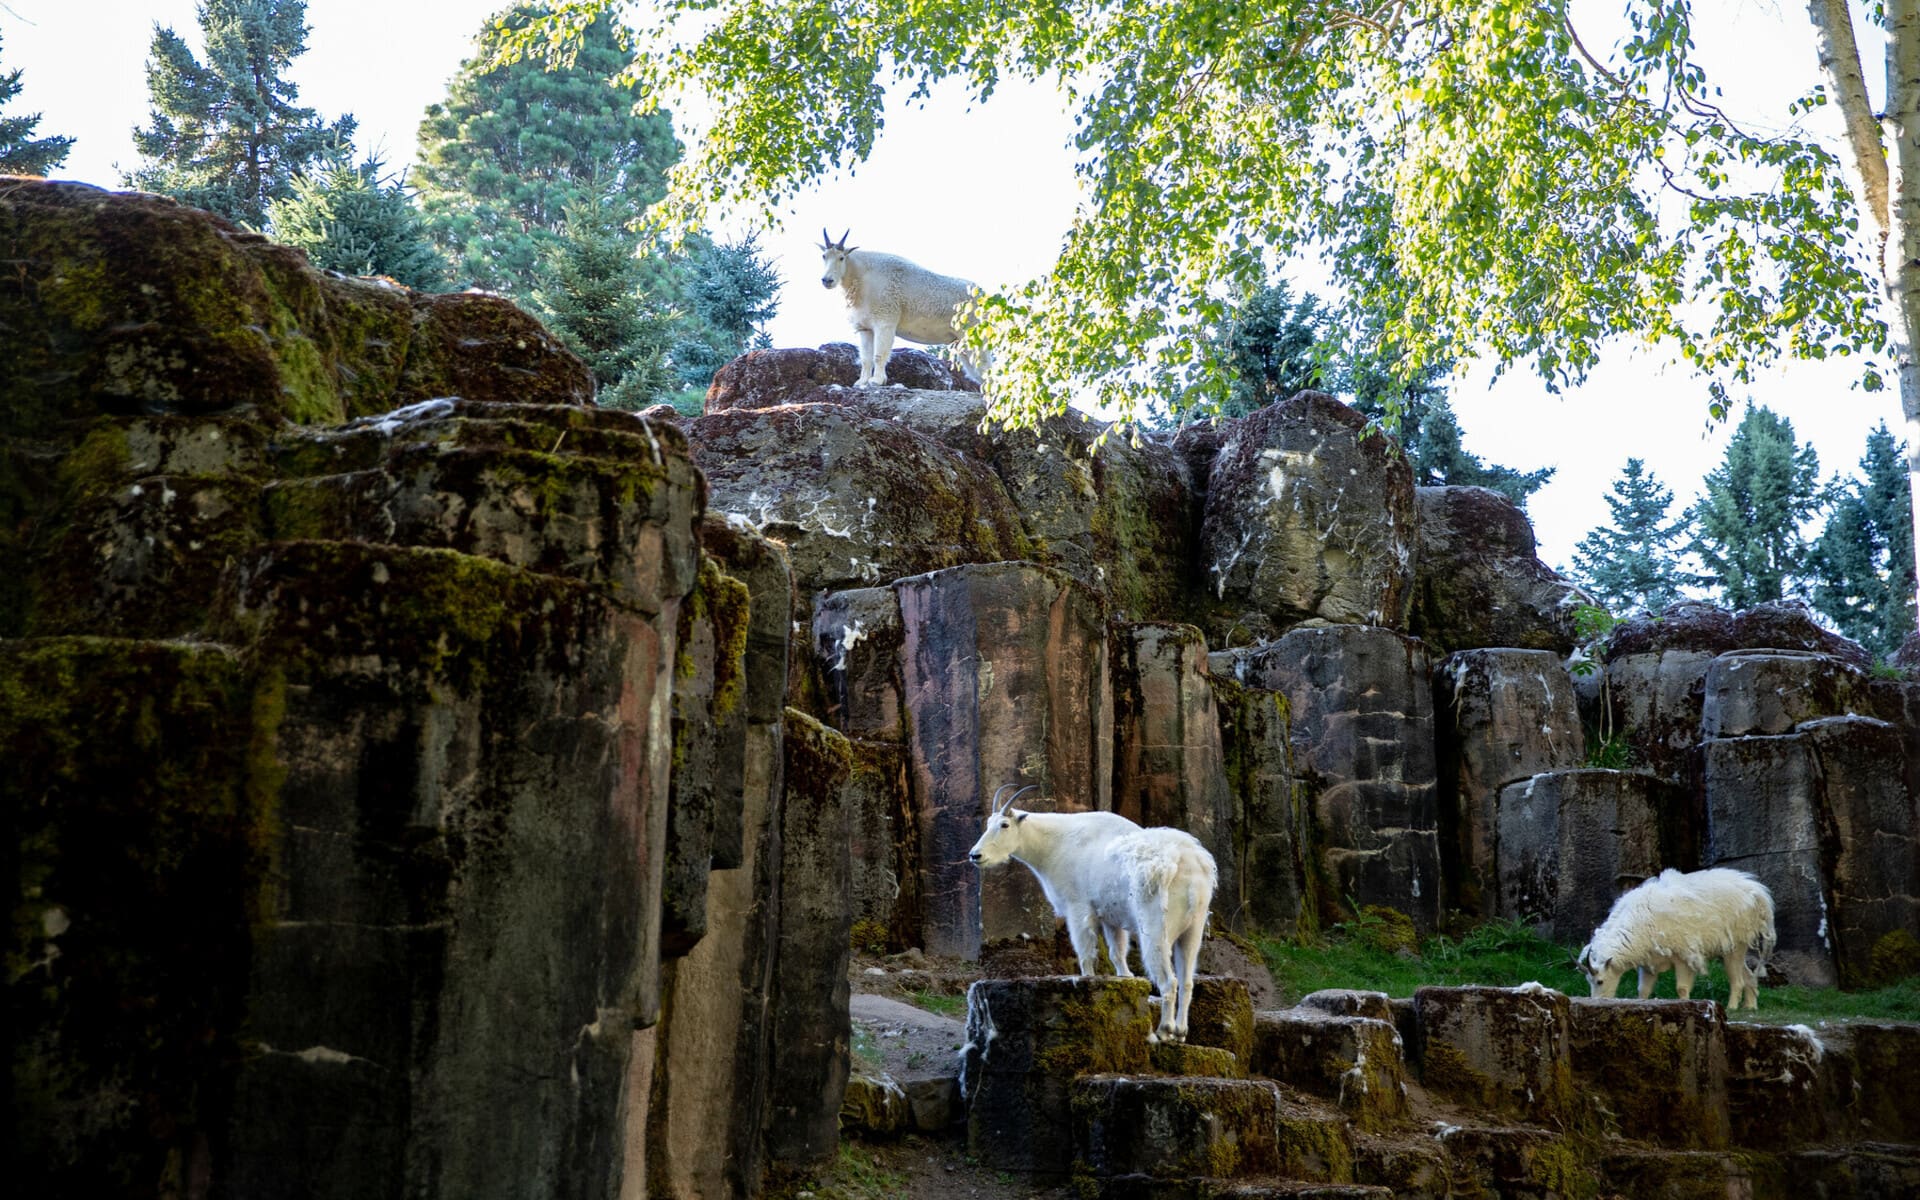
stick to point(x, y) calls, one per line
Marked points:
point(424, 782)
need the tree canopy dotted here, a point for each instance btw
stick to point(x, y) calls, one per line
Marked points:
point(350, 218)
point(1633, 564)
point(1862, 564)
point(1479, 175)
point(20, 152)
point(227, 134)
point(1747, 521)
point(519, 140)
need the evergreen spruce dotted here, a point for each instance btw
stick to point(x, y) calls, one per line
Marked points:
point(20, 152)
point(1275, 347)
point(227, 135)
point(589, 292)
point(350, 219)
point(1634, 564)
point(731, 292)
point(1747, 524)
point(515, 144)
point(1862, 564)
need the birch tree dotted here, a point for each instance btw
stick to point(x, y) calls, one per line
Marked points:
point(1524, 180)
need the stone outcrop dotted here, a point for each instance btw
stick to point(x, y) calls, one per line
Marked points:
point(1362, 731)
point(768, 378)
point(1504, 715)
point(1306, 518)
point(1478, 579)
point(1569, 842)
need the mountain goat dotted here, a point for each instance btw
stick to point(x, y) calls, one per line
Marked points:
point(1681, 921)
point(887, 295)
point(1102, 872)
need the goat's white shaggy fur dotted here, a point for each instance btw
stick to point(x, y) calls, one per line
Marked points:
point(888, 295)
point(1680, 921)
point(1108, 877)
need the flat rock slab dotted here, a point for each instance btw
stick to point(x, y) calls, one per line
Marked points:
point(1497, 1049)
point(1658, 1066)
point(1354, 1061)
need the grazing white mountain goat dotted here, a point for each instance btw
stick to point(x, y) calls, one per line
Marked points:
point(887, 295)
point(1102, 872)
point(1681, 921)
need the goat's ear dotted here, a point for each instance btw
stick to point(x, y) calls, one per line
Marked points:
point(1018, 816)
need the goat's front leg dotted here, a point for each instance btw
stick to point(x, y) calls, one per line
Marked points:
point(1086, 942)
point(882, 351)
point(866, 358)
point(1648, 977)
point(1683, 981)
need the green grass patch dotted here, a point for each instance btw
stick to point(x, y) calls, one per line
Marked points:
point(865, 1049)
point(857, 1174)
point(938, 1002)
point(1507, 953)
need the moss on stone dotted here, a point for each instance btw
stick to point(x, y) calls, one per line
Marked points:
point(1102, 1029)
point(1445, 1069)
point(1895, 956)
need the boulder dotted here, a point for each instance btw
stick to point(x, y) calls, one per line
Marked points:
point(1504, 715)
point(151, 307)
point(1272, 816)
point(1658, 1068)
point(1361, 709)
point(700, 1130)
point(1353, 1060)
point(857, 499)
point(1771, 691)
point(799, 375)
point(1478, 579)
point(1005, 674)
point(1504, 1050)
point(1763, 814)
point(1175, 1128)
point(811, 1027)
point(1306, 517)
point(1168, 767)
point(1569, 842)
point(1656, 669)
point(1027, 1040)
point(1776, 1089)
point(1872, 829)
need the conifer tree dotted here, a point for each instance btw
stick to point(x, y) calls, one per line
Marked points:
point(731, 291)
point(1747, 524)
point(1634, 564)
point(1274, 348)
point(515, 144)
point(1862, 563)
point(590, 293)
point(227, 135)
point(352, 219)
point(20, 152)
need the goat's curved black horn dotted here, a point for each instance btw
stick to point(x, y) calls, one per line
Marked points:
point(843, 238)
point(1001, 791)
point(826, 239)
point(1023, 791)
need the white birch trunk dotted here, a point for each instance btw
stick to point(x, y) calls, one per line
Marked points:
point(1885, 171)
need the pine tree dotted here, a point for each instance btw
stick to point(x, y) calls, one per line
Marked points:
point(1274, 348)
point(227, 135)
point(589, 291)
point(20, 152)
point(1862, 564)
point(514, 144)
point(1634, 564)
point(731, 291)
point(1429, 433)
point(1747, 524)
point(351, 219)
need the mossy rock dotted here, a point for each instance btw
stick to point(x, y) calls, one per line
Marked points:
point(1171, 1058)
point(142, 804)
point(1173, 1128)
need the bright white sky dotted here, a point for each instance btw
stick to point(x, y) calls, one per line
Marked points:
point(986, 193)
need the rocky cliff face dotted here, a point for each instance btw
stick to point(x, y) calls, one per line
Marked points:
point(424, 782)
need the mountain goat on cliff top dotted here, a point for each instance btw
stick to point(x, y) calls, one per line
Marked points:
point(1681, 921)
point(1107, 876)
point(888, 295)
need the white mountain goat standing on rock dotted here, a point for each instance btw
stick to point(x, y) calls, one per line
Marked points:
point(887, 295)
point(1101, 871)
point(1681, 921)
